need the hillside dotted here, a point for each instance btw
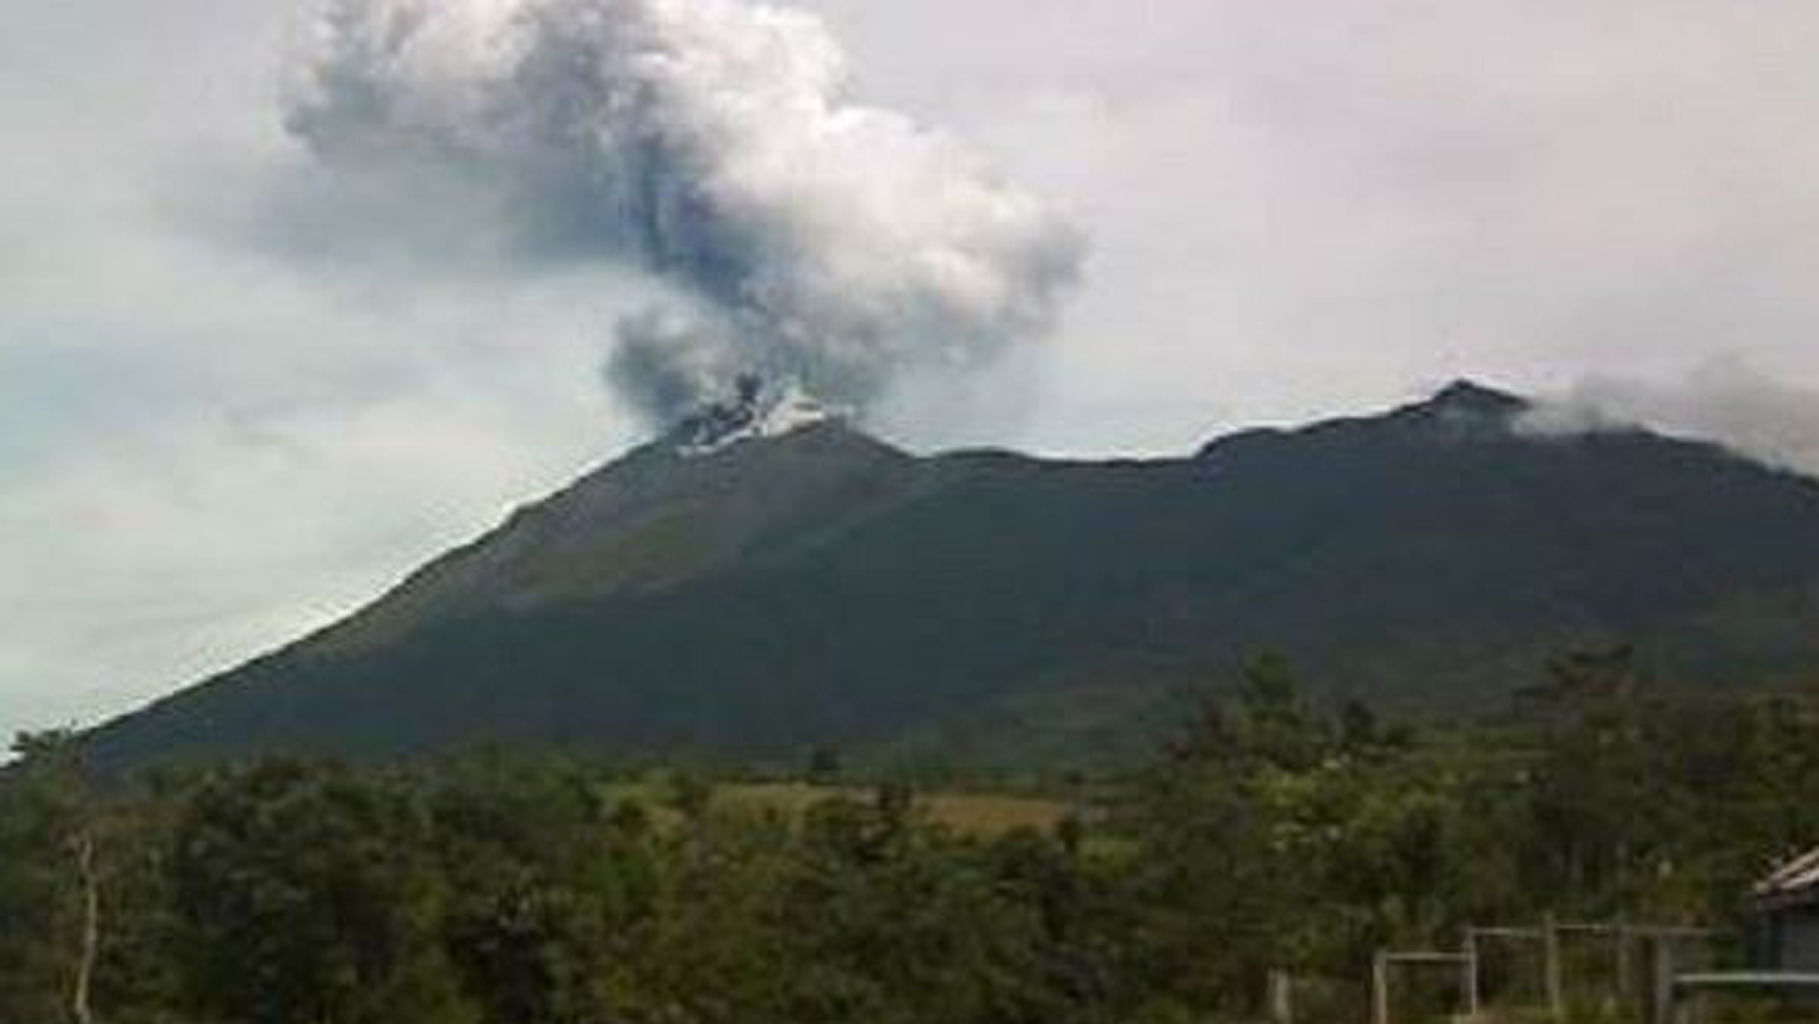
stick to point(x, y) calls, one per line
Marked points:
point(819, 586)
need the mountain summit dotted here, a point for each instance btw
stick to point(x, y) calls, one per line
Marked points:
point(755, 410)
point(1467, 398)
point(748, 589)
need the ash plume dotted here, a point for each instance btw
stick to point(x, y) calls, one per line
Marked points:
point(796, 234)
point(1723, 400)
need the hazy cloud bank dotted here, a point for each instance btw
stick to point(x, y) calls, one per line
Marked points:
point(1725, 401)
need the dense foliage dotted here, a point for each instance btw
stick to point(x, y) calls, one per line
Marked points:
point(495, 890)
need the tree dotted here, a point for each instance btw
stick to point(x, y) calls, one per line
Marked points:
point(52, 887)
point(824, 765)
point(306, 893)
point(544, 886)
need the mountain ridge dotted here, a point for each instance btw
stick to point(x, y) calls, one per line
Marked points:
point(822, 586)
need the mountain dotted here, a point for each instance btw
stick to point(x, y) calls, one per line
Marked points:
point(754, 584)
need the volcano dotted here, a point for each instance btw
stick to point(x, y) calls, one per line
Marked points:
point(766, 578)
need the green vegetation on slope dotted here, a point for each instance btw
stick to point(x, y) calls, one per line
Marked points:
point(823, 588)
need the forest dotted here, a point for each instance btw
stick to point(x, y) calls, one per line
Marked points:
point(1270, 833)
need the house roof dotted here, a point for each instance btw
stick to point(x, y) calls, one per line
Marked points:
point(1796, 881)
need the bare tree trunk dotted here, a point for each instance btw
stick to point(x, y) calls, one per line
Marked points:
point(91, 928)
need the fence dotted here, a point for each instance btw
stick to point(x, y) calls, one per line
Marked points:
point(1607, 972)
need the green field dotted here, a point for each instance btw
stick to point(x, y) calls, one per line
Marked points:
point(977, 814)
point(983, 815)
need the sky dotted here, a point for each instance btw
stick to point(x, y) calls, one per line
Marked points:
point(230, 411)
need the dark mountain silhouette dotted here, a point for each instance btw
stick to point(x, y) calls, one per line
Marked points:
point(779, 589)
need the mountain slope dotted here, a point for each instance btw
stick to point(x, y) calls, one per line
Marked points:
point(819, 586)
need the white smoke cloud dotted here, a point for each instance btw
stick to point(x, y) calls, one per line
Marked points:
point(1724, 400)
point(712, 143)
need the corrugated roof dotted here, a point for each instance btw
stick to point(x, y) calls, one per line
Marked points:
point(1796, 880)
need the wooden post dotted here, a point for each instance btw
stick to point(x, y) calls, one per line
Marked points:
point(1556, 988)
point(1380, 989)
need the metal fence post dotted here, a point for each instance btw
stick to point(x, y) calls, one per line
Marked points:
point(1380, 989)
point(1661, 956)
point(1626, 968)
point(1556, 989)
point(1470, 973)
point(1282, 997)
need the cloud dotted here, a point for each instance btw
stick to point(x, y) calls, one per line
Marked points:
point(1299, 208)
point(1725, 400)
point(714, 144)
point(262, 391)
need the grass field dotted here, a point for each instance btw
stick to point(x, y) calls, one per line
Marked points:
point(980, 814)
point(984, 815)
